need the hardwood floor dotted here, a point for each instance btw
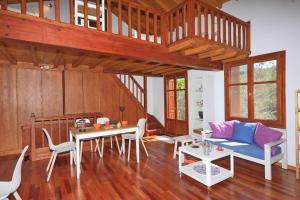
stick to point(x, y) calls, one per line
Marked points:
point(156, 177)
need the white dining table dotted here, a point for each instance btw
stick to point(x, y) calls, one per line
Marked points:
point(92, 133)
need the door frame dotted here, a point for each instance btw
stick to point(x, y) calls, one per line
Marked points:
point(175, 76)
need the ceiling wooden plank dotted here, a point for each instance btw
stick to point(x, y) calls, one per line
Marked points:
point(197, 50)
point(212, 53)
point(239, 57)
point(58, 58)
point(78, 61)
point(226, 55)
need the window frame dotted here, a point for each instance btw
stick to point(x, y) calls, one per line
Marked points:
point(280, 122)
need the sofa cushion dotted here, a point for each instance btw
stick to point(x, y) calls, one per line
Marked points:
point(265, 135)
point(251, 150)
point(244, 132)
point(222, 129)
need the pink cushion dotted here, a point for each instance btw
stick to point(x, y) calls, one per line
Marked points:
point(222, 130)
point(265, 135)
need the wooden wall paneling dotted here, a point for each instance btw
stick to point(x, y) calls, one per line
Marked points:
point(91, 92)
point(29, 100)
point(10, 140)
point(52, 93)
point(73, 92)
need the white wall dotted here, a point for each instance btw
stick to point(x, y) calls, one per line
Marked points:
point(156, 104)
point(275, 26)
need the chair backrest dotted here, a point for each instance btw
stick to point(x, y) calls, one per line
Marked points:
point(51, 145)
point(102, 120)
point(141, 126)
point(86, 120)
point(16, 178)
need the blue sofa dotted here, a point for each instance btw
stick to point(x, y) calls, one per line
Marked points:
point(254, 153)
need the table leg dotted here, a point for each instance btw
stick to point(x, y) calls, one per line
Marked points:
point(137, 144)
point(71, 152)
point(175, 149)
point(78, 158)
point(208, 173)
point(232, 165)
point(179, 161)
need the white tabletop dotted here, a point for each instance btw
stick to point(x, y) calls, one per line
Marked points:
point(199, 153)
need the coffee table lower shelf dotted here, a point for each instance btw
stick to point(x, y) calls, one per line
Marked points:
point(204, 178)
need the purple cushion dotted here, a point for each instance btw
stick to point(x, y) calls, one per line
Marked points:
point(265, 135)
point(222, 130)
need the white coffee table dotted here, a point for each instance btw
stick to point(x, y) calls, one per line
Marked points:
point(206, 177)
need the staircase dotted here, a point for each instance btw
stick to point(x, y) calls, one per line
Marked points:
point(153, 126)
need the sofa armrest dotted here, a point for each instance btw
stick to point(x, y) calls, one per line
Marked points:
point(274, 143)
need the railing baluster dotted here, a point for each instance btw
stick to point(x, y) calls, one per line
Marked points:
point(3, 4)
point(234, 34)
point(147, 26)
point(177, 24)
point(219, 27)
point(191, 19)
point(224, 30)
point(229, 32)
point(212, 16)
point(184, 20)
point(109, 20)
point(23, 6)
point(248, 44)
point(206, 22)
point(86, 13)
point(155, 27)
point(98, 15)
point(199, 20)
point(139, 23)
point(129, 21)
point(71, 11)
point(120, 17)
point(244, 37)
point(239, 35)
point(57, 10)
point(41, 8)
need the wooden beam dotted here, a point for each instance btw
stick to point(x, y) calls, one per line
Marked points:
point(7, 54)
point(239, 57)
point(197, 50)
point(33, 53)
point(175, 71)
point(226, 55)
point(166, 70)
point(182, 45)
point(212, 53)
point(78, 61)
point(28, 29)
point(58, 58)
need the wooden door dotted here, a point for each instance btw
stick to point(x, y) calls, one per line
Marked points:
point(176, 104)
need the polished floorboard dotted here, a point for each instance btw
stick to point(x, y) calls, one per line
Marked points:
point(156, 177)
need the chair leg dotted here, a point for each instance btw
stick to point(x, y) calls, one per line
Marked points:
point(102, 147)
point(129, 150)
point(74, 157)
point(50, 161)
point(123, 146)
point(81, 149)
point(51, 168)
point(91, 145)
point(111, 143)
point(175, 149)
point(118, 145)
point(145, 148)
point(17, 196)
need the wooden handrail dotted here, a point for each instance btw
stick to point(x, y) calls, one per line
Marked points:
point(153, 25)
point(236, 33)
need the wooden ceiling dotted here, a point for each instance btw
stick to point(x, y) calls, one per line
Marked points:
point(167, 5)
point(21, 54)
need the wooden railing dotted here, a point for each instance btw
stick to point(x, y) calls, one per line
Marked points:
point(196, 19)
point(134, 87)
point(122, 17)
point(58, 128)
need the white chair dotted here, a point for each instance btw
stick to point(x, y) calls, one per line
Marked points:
point(57, 149)
point(102, 121)
point(130, 137)
point(10, 187)
point(81, 143)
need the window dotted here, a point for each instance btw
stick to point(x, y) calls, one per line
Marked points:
point(255, 89)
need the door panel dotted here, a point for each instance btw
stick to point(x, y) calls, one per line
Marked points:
point(176, 104)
